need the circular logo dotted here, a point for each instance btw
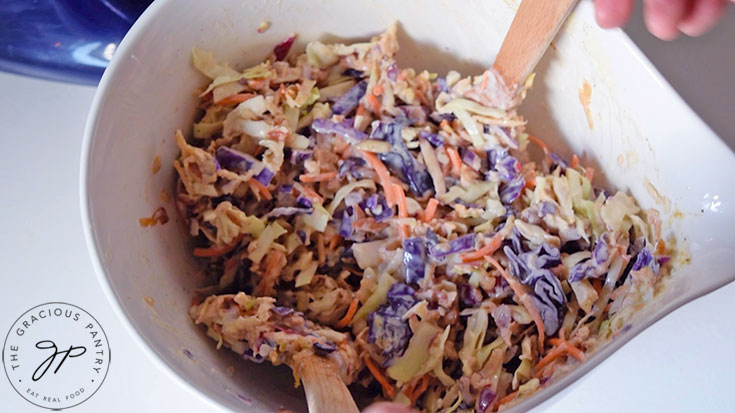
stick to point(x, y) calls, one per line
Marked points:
point(56, 355)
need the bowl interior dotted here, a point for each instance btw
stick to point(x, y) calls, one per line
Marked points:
point(635, 129)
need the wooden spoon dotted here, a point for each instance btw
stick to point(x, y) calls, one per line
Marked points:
point(534, 26)
point(325, 390)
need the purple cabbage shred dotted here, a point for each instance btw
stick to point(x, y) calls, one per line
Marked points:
point(326, 126)
point(345, 104)
point(281, 50)
point(386, 327)
point(414, 259)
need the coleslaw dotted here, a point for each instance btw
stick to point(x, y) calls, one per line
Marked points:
point(397, 223)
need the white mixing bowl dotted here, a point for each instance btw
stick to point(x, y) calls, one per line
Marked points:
point(637, 131)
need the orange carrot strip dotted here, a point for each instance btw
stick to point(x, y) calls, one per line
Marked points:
point(378, 89)
point(257, 83)
point(334, 242)
point(487, 250)
point(312, 194)
point(401, 201)
point(543, 146)
point(402, 207)
point(575, 161)
point(415, 391)
point(383, 175)
point(597, 285)
point(217, 250)
point(552, 355)
point(455, 159)
point(320, 177)
point(387, 388)
point(430, 210)
point(531, 179)
point(235, 99)
point(518, 290)
point(374, 102)
point(273, 266)
point(508, 398)
point(360, 110)
point(264, 192)
point(351, 310)
point(568, 348)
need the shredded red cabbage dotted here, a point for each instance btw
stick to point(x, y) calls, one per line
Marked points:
point(282, 49)
point(386, 327)
point(414, 259)
point(326, 126)
point(349, 101)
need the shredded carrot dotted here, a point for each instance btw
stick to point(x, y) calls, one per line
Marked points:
point(369, 224)
point(388, 390)
point(383, 175)
point(589, 173)
point(273, 266)
point(378, 89)
point(374, 102)
point(334, 242)
point(415, 391)
point(257, 83)
point(456, 160)
point(597, 285)
point(484, 80)
point(508, 398)
point(487, 250)
point(518, 290)
point(320, 250)
point(320, 177)
point(531, 179)
point(575, 162)
point(446, 127)
point(235, 99)
point(661, 247)
point(351, 310)
point(312, 194)
point(430, 210)
point(402, 207)
point(359, 213)
point(401, 201)
point(217, 250)
point(543, 146)
point(262, 189)
point(360, 110)
point(568, 347)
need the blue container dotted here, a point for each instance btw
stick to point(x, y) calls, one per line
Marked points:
point(67, 40)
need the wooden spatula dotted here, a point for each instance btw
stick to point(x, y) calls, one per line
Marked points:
point(534, 26)
point(325, 390)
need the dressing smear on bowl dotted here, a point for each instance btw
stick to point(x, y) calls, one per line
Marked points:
point(394, 222)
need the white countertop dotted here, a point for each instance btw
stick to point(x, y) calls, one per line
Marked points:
point(682, 363)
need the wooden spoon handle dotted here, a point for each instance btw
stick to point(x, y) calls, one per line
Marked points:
point(534, 26)
point(325, 390)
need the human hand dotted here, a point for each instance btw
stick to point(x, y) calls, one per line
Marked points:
point(386, 407)
point(664, 18)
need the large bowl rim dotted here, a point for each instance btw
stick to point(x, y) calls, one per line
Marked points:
point(132, 37)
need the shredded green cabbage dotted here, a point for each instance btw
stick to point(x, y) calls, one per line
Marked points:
point(263, 243)
point(318, 219)
point(376, 299)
